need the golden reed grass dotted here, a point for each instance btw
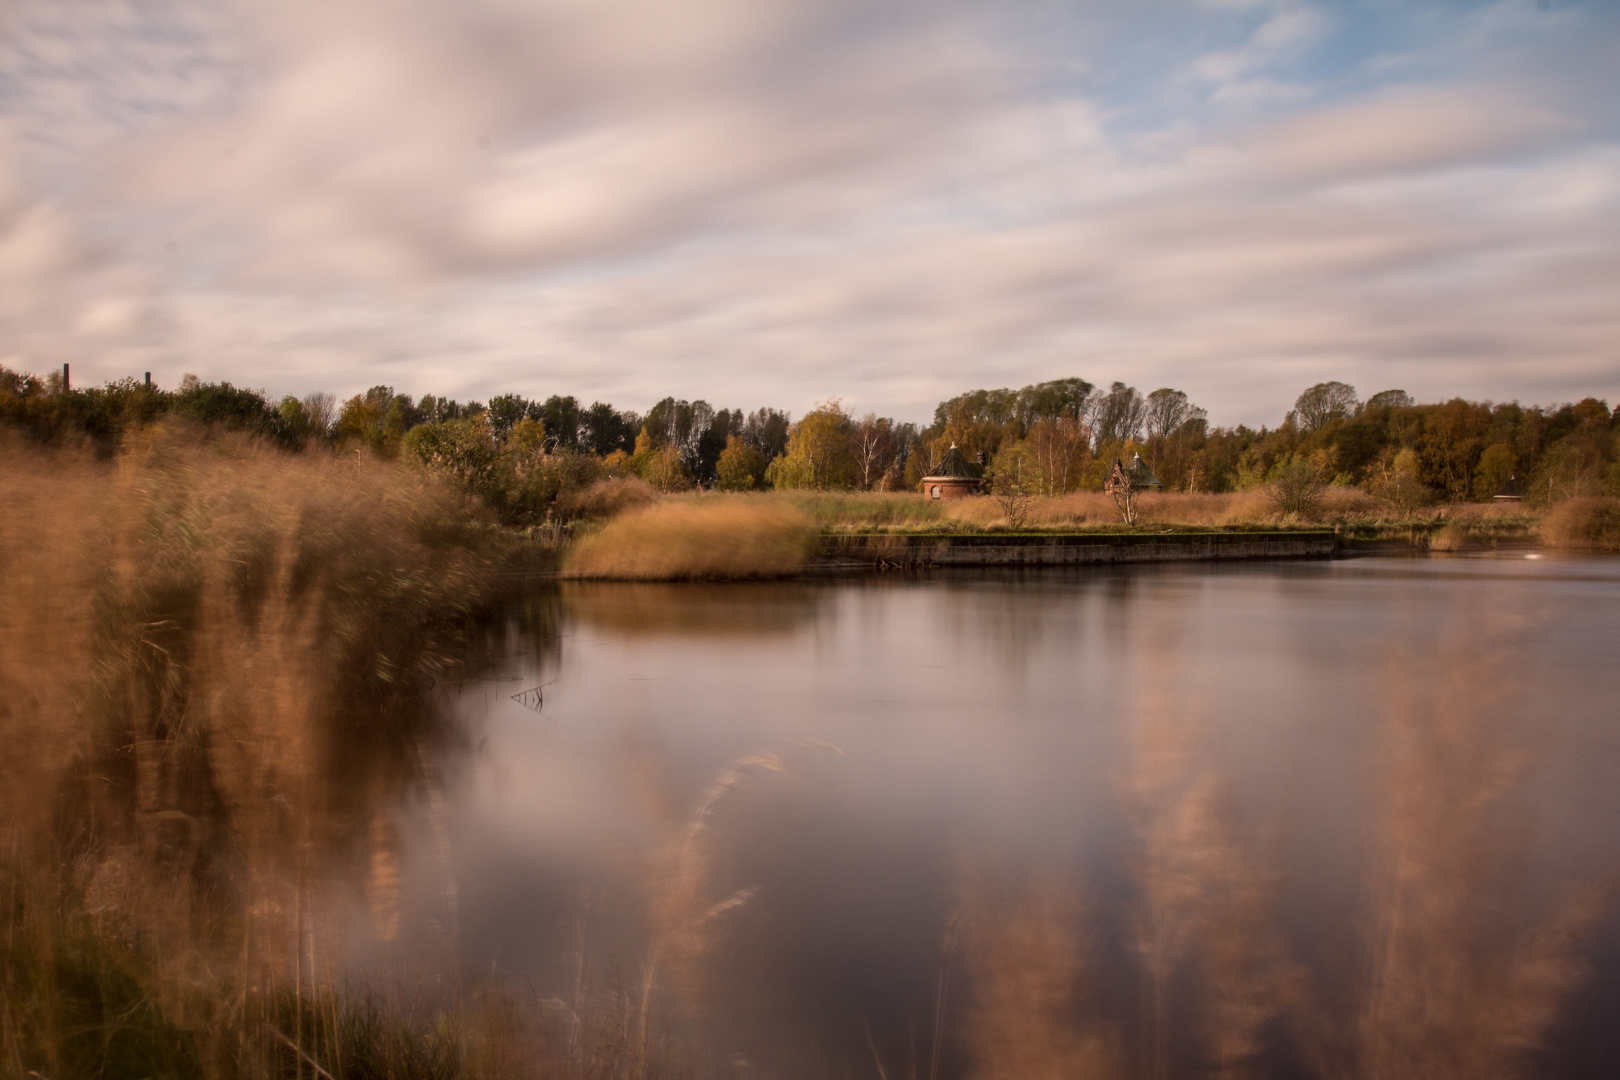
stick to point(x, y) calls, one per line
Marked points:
point(216, 673)
point(718, 536)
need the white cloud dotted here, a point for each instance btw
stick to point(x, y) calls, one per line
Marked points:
point(776, 203)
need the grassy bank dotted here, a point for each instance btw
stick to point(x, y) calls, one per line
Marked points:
point(719, 536)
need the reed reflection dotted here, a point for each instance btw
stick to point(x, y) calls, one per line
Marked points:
point(695, 609)
point(1465, 963)
point(1469, 967)
point(1209, 895)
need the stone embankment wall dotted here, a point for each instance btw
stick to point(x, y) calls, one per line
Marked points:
point(991, 549)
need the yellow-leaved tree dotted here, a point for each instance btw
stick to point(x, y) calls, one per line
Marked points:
point(818, 453)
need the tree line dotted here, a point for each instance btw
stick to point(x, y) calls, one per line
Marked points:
point(527, 456)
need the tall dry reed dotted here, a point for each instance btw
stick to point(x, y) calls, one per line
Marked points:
point(717, 537)
point(217, 665)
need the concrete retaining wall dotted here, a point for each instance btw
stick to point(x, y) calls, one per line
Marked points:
point(990, 549)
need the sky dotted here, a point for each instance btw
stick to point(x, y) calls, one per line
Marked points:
point(782, 201)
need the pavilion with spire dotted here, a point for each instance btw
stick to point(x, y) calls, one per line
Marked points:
point(954, 477)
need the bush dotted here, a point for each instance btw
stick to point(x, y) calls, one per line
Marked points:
point(607, 498)
point(1296, 488)
point(1590, 524)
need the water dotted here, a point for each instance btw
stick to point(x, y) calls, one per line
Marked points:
point(1355, 817)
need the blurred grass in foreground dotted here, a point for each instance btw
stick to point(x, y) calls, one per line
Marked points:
point(218, 673)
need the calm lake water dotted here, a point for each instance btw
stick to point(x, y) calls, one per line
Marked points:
point(1352, 818)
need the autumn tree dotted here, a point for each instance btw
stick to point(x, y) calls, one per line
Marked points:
point(818, 452)
point(1171, 421)
point(1057, 450)
point(741, 467)
point(1013, 482)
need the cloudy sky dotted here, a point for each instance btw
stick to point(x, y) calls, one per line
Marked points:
point(778, 201)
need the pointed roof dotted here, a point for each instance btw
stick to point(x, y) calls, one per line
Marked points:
point(955, 466)
point(1510, 490)
point(1141, 476)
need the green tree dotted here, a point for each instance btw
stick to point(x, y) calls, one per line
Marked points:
point(1297, 484)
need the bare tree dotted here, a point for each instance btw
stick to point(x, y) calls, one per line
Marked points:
point(1168, 411)
point(1117, 416)
point(1126, 485)
point(1324, 402)
point(321, 408)
point(871, 442)
point(1058, 447)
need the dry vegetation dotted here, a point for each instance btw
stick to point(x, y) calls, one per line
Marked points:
point(719, 536)
point(218, 665)
point(1342, 507)
point(767, 534)
point(1591, 524)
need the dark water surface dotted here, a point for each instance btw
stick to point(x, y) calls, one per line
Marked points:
point(1352, 818)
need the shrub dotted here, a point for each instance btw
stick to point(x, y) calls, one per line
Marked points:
point(607, 498)
point(1296, 487)
point(1590, 524)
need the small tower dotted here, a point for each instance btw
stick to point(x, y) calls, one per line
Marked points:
point(1133, 477)
point(955, 477)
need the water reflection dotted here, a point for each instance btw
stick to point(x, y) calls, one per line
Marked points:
point(1266, 821)
point(1467, 971)
point(1269, 821)
point(696, 609)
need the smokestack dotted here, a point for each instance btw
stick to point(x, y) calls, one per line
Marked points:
point(64, 378)
point(149, 380)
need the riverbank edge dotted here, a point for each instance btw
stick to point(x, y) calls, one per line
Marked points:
point(1039, 549)
point(849, 552)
